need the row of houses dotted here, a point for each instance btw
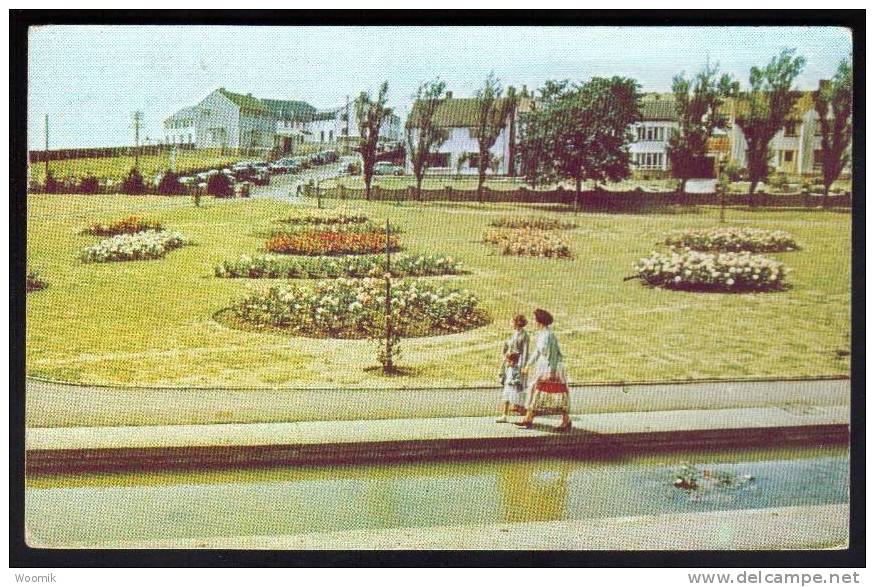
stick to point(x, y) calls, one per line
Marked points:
point(226, 119)
point(796, 147)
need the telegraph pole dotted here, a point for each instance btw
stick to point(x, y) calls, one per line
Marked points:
point(47, 147)
point(138, 119)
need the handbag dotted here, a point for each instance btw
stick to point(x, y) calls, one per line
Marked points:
point(551, 385)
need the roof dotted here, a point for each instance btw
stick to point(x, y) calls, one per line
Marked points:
point(247, 102)
point(658, 109)
point(804, 102)
point(290, 109)
point(185, 113)
point(464, 112)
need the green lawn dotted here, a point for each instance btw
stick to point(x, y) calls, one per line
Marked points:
point(469, 182)
point(117, 168)
point(151, 322)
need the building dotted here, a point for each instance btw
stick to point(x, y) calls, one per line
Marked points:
point(460, 152)
point(179, 128)
point(292, 121)
point(649, 149)
point(340, 125)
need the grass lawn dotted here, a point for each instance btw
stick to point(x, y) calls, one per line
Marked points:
point(151, 322)
point(117, 168)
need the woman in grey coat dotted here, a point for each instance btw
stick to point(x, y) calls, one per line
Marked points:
point(514, 356)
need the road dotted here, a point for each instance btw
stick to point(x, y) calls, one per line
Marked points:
point(285, 186)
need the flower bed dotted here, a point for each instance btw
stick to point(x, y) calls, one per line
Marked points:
point(34, 281)
point(538, 223)
point(347, 308)
point(527, 242)
point(273, 266)
point(755, 240)
point(342, 218)
point(702, 271)
point(314, 243)
point(149, 244)
point(129, 225)
point(358, 227)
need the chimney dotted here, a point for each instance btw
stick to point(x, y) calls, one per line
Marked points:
point(449, 95)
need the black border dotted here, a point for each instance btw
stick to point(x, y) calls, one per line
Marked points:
point(23, 556)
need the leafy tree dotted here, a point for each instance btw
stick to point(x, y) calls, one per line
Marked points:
point(534, 147)
point(370, 114)
point(89, 185)
point(169, 185)
point(697, 102)
point(763, 110)
point(834, 105)
point(492, 114)
point(422, 133)
point(219, 185)
point(587, 126)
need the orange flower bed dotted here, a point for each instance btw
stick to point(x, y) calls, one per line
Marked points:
point(331, 243)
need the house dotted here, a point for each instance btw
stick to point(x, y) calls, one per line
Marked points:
point(649, 149)
point(459, 153)
point(340, 125)
point(292, 121)
point(179, 128)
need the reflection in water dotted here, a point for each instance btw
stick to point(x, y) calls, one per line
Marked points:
point(112, 508)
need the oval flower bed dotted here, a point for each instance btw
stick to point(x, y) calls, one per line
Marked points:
point(343, 218)
point(313, 243)
point(528, 242)
point(360, 227)
point(539, 223)
point(755, 240)
point(347, 308)
point(149, 244)
point(273, 266)
point(129, 225)
point(701, 271)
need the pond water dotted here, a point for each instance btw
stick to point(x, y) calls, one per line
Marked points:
point(104, 508)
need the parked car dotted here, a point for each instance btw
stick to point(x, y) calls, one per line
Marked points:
point(386, 168)
point(255, 172)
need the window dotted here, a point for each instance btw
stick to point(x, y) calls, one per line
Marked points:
point(321, 136)
point(330, 135)
point(788, 156)
point(438, 159)
point(473, 159)
point(650, 133)
point(649, 160)
point(791, 128)
point(472, 133)
point(818, 158)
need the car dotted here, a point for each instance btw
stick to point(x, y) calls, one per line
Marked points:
point(386, 168)
point(252, 171)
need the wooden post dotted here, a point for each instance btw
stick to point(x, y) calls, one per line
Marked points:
point(47, 148)
point(319, 194)
point(388, 367)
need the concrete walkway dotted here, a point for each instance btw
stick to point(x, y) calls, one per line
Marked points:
point(64, 405)
point(761, 529)
point(329, 442)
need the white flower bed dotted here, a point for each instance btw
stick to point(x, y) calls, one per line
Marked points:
point(695, 270)
point(149, 244)
point(755, 240)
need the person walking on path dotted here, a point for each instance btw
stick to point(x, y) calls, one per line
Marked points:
point(514, 356)
point(546, 377)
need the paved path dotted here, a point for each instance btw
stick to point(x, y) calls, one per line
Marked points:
point(63, 405)
point(284, 186)
point(368, 441)
point(806, 527)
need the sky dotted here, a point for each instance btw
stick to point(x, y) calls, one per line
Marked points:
point(90, 79)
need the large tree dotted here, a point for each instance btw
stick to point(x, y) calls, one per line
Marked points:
point(423, 134)
point(370, 114)
point(762, 111)
point(534, 145)
point(834, 105)
point(588, 128)
point(493, 112)
point(698, 104)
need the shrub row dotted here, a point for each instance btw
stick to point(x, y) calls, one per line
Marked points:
point(538, 223)
point(333, 219)
point(346, 308)
point(128, 225)
point(272, 266)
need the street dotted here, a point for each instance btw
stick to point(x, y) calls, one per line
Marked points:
point(285, 186)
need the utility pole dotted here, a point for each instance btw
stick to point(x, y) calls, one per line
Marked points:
point(138, 119)
point(47, 147)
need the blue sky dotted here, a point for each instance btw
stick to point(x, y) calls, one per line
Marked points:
point(89, 79)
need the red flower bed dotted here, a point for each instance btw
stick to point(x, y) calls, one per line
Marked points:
point(331, 243)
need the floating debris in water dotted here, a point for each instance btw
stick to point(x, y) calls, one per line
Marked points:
point(692, 479)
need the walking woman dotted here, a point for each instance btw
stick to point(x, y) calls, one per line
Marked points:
point(546, 377)
point(513, 358)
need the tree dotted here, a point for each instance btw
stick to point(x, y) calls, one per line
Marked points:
point(492, 113)
point(834, 105)
point(587, 126)
point(370, 114)
point(423, 134)
point(698, 103)
point(534, 147)
point(763, 110)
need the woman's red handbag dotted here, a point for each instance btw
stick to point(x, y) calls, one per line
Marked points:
point(552, 386)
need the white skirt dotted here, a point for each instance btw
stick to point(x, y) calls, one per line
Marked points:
point(515, 394)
